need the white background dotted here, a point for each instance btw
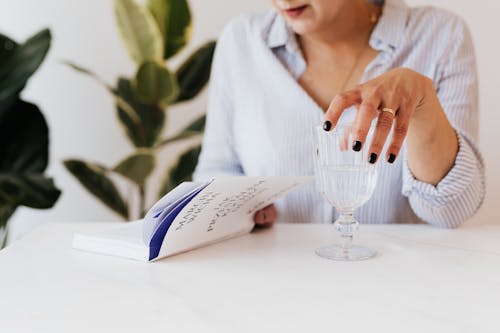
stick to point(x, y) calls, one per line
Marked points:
point(81, 114)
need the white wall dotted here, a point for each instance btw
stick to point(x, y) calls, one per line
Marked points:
point(81, 115)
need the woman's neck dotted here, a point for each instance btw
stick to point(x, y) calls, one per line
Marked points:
point(350, 29)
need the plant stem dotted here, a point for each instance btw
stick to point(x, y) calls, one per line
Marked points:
point(180, 136)
point(3, 243)
point(142, 201)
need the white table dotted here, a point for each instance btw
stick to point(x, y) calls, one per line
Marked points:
point(424, 280)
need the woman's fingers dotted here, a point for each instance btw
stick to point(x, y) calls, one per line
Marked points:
point(344, 143)
point(338, 105)
point(398, 90)
point(386, 114)
point(401, 123)
point(382, 130)
point(266, 216)
point(368, 110)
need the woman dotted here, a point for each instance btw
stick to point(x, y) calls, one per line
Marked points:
point(277, 74)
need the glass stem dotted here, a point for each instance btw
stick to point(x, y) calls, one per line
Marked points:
point(346, 241)
point(346, 225)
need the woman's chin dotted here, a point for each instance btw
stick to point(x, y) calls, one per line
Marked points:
point(303, 27)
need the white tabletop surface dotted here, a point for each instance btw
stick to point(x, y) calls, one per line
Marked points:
point(423, 280)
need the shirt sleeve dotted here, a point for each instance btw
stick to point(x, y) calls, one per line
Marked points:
point(218, 155)
point(461, 192)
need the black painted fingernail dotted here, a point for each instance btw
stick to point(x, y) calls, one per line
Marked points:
point(356, 146)
point(373, 158)
point(327, 125)
point(391, 158)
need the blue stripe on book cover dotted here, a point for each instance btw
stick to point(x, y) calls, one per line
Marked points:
point(160, 233)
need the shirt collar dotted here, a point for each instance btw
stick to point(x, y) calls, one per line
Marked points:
point(386, 35)
point(281, 34)
point(391, 27)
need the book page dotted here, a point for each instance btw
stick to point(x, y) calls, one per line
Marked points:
point(123, 241)
point(223, 209)
point(156, 214)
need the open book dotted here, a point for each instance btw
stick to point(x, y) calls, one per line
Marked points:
point(190, 216)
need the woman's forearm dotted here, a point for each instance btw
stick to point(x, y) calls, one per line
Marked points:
point(432, 143)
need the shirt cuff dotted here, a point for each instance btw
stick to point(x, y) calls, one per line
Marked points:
point(453, 184)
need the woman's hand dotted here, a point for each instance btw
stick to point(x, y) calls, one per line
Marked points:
point(408, 100)
point(265, 217)
point(400, 90)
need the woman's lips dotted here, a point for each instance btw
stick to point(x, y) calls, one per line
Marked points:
point(295, 12)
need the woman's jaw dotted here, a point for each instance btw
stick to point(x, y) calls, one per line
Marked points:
point(310, 17)
point(298, 14)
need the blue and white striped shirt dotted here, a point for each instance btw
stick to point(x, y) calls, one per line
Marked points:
point(260, 119)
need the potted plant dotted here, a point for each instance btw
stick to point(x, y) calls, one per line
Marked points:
point(24, 135)
point(152, 33)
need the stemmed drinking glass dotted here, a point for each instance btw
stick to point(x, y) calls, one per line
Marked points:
point(346, 180)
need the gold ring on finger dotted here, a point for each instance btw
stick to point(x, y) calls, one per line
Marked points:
point(391, 111)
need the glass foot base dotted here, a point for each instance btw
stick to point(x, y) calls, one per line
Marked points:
point(354, 253)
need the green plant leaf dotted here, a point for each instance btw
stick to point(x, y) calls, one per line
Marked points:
point(7, 47)
point(88, 72)
point(6, 212)
point(28, 189)
point(174, 19)
point(197, 125)
point(24, 139)
point(139, 31)
point(194, 73)
point(125, 107)
point(24, 146)
point(146, 131)
point(94, 178)
point(137, 167)
point(154, 84)
point(23, 130)
point(181, 171)
point(195, 128)
point(20, 64)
